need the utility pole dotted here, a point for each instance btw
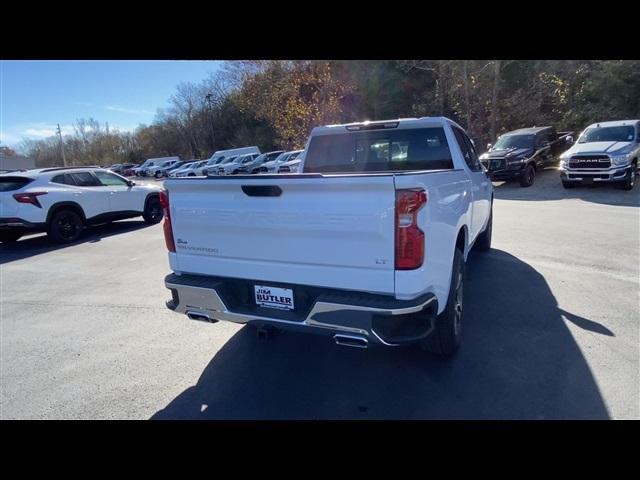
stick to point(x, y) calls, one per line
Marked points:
point(64, 159)
point(208, 96)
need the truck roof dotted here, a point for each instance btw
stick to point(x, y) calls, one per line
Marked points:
point(381, 124)
point(157, 159)
point(527, 131)
point(614, 123)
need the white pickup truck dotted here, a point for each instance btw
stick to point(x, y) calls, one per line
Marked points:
point(366, 245)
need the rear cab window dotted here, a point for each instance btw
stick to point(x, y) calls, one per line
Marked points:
point(11, 183)
point(379, 151)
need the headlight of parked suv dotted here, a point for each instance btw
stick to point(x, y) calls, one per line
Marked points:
point(620, 159)
point(516, 159)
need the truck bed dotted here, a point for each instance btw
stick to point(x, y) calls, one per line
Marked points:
point(334, 231)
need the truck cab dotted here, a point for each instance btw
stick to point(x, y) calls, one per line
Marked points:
point(520, 154)
point(606, 152)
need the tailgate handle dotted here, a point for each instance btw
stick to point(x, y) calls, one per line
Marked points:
point(262, 190)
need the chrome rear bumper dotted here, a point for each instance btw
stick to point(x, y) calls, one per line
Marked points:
point(203, 302)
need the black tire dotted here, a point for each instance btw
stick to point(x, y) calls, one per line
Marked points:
point(528, 176)
point(483, 243)
point(65, 226)
point(192, 174)
point(11, 236)
point(445, 338)
point(157, 174)
point(568, 184)
point(153, 211)
point(629, 183)
point(235, 172)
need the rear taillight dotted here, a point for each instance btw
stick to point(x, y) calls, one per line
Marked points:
point(409, 238)
point(29, 197)
point(166, 226)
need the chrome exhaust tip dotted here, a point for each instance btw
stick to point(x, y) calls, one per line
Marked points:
point(350, 340)
point(202, 317)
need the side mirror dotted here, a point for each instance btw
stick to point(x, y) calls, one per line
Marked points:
point(489, 146)
point(131, 183)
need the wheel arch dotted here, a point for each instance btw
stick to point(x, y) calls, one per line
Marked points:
point(65, 204)
point(462, 241)
point(148, 198)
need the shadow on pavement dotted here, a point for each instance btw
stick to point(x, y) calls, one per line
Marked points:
point(518, 360)
point(547, 186)
point(32, 245)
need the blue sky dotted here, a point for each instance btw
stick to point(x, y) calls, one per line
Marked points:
point(36, 95)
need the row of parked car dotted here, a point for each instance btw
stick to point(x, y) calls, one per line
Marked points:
point(246, 160)
point(605, 152)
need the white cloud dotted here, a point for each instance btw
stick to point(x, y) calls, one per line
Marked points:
point(9, 138)
point(44, 130)
point(39, 130)
point(118, 108)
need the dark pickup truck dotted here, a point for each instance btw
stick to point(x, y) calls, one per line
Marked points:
point(521, 153)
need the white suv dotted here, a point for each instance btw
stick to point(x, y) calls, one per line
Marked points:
point(62, 201)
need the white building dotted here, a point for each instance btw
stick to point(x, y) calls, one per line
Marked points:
point(16, 162)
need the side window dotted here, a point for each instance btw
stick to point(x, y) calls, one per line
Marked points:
point(64, 179)
point(468, 150)
point(85, 179)
point(109, 179)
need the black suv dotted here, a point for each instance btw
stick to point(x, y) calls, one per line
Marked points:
point(521, 153)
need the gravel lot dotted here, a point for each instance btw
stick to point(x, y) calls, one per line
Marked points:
point(551, 331)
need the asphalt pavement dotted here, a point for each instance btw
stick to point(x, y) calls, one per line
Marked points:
point(551, 331)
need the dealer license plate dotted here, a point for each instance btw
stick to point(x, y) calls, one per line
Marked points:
point(274, 297)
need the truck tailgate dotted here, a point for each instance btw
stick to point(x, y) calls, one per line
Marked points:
point(328, 231)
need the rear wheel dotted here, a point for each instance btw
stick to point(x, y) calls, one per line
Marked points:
point(11, 236)
point(65, 226)
point(528, 176)
point(153, 211)
point(445, 339)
